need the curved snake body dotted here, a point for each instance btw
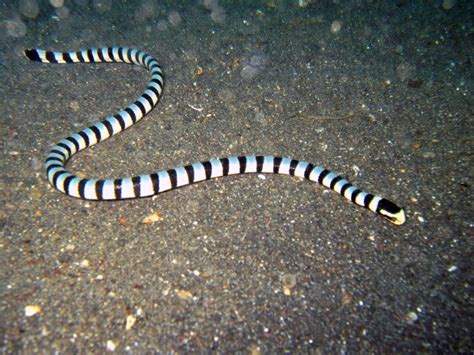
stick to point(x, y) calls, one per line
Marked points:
point(152, 184)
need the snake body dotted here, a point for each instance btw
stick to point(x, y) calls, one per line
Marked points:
point(152, 184)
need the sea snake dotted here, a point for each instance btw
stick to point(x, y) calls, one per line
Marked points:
point(152, 184)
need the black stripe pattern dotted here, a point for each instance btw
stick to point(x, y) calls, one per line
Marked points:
point(152, 184)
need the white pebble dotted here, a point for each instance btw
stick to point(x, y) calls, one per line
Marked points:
point(411, 317)
point(452, 268)
point(336, 26)
point(111, 345)
point(32, 309)
point(130, 322)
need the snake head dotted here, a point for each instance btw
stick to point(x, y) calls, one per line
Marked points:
point(391, 212)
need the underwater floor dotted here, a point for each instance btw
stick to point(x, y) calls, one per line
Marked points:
point(377, 91)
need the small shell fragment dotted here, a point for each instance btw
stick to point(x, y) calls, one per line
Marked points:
point(32, 309)
point(452, 268)
point(411, 317)
point(152, 218)
point(84, 263)
point(130, 322)
point(288, 282)
point(111, 345)
point(140, 312)
point(198, 71)
point(184, 295)
point(336, 26)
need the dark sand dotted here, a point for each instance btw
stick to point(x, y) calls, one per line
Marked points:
point(243, 263)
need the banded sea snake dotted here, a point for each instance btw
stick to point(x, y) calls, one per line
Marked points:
point(152, 184)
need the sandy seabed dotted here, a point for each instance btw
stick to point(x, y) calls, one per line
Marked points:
point(380, 92)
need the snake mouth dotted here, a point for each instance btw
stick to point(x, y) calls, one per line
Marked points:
point(397, 218)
